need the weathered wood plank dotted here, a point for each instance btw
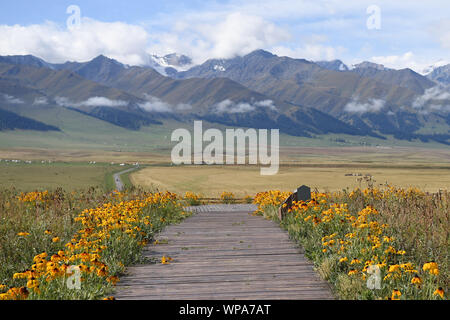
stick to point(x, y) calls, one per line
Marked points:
point(223, 252)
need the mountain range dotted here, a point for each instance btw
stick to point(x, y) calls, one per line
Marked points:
point(259, 90)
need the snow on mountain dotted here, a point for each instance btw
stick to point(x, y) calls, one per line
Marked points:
point(368, 64)
point(429, 69)
point(218, 67)
point(170, 63)
point(336, 65)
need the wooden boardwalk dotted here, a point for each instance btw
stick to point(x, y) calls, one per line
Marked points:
point(222, 252)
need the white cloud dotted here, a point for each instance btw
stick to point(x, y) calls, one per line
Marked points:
point(204, 36)
point(211, 35)
point(434, 98)
point(406, 60)
point(183, 107)
point(103, 102)
point(11, 99)
point(118, 40)
point(372, 105)
point(228, 106)
point(310, 51)
point(40, 101)
point(237, 27)
point(154, 104)
point(442, 31)
point(91, 102)
point(266, 103)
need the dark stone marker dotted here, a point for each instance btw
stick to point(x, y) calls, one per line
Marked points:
point(303, 193)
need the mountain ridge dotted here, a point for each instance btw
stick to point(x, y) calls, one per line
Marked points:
point(256, 90)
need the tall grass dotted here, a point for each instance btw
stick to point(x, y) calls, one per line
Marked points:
point(400, 236)
point(419, 221)
point(44, 233)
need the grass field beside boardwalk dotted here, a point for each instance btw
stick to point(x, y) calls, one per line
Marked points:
point(388, 243)
point(44, 234)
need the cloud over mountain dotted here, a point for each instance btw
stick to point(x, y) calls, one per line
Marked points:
point(12, 100)
point(434, 98)
point(121, 41)
point(372, 105)
point(228, 106)
point(154, 104)
point(40, 101)
point(91, 102)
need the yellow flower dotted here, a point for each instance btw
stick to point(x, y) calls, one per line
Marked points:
point(166, 260)
point(55, 258)
point(20, 275)
point(434, 271)
point(390, 249)
point(344, 259)
point(113, 279)
point(4, 296)
point(102, 272)
point(416, 280)
point(439, 292)
point(394, 268)
point(355, 261)
point(396, 294)
point(55, 239)
point(32, 283)
point(431, 267)
point(23, 234)
point(352, 272)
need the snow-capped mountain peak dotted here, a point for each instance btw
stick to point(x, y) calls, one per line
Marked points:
point(429, 69)
point(170, 63)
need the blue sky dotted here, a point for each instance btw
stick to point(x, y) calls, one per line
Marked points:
point(412, 33)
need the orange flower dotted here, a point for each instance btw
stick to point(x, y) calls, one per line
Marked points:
point(396, 294)
point(23, 234)
point(439, 292)
point(113, 280)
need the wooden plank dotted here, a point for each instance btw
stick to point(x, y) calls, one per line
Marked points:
point(224, 253)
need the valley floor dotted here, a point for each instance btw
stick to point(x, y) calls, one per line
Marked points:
point(324, 168)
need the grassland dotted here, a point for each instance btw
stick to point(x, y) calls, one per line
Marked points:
point(50, 176)
point(327, 169)
point(324, 168)
point(211, 181)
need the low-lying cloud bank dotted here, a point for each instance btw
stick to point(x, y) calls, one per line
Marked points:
point(154, 104)
point(11, 99)
point(372, 105)
point(40, 101)
point(228, 106)
point(91, 102)
point(436, 98)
